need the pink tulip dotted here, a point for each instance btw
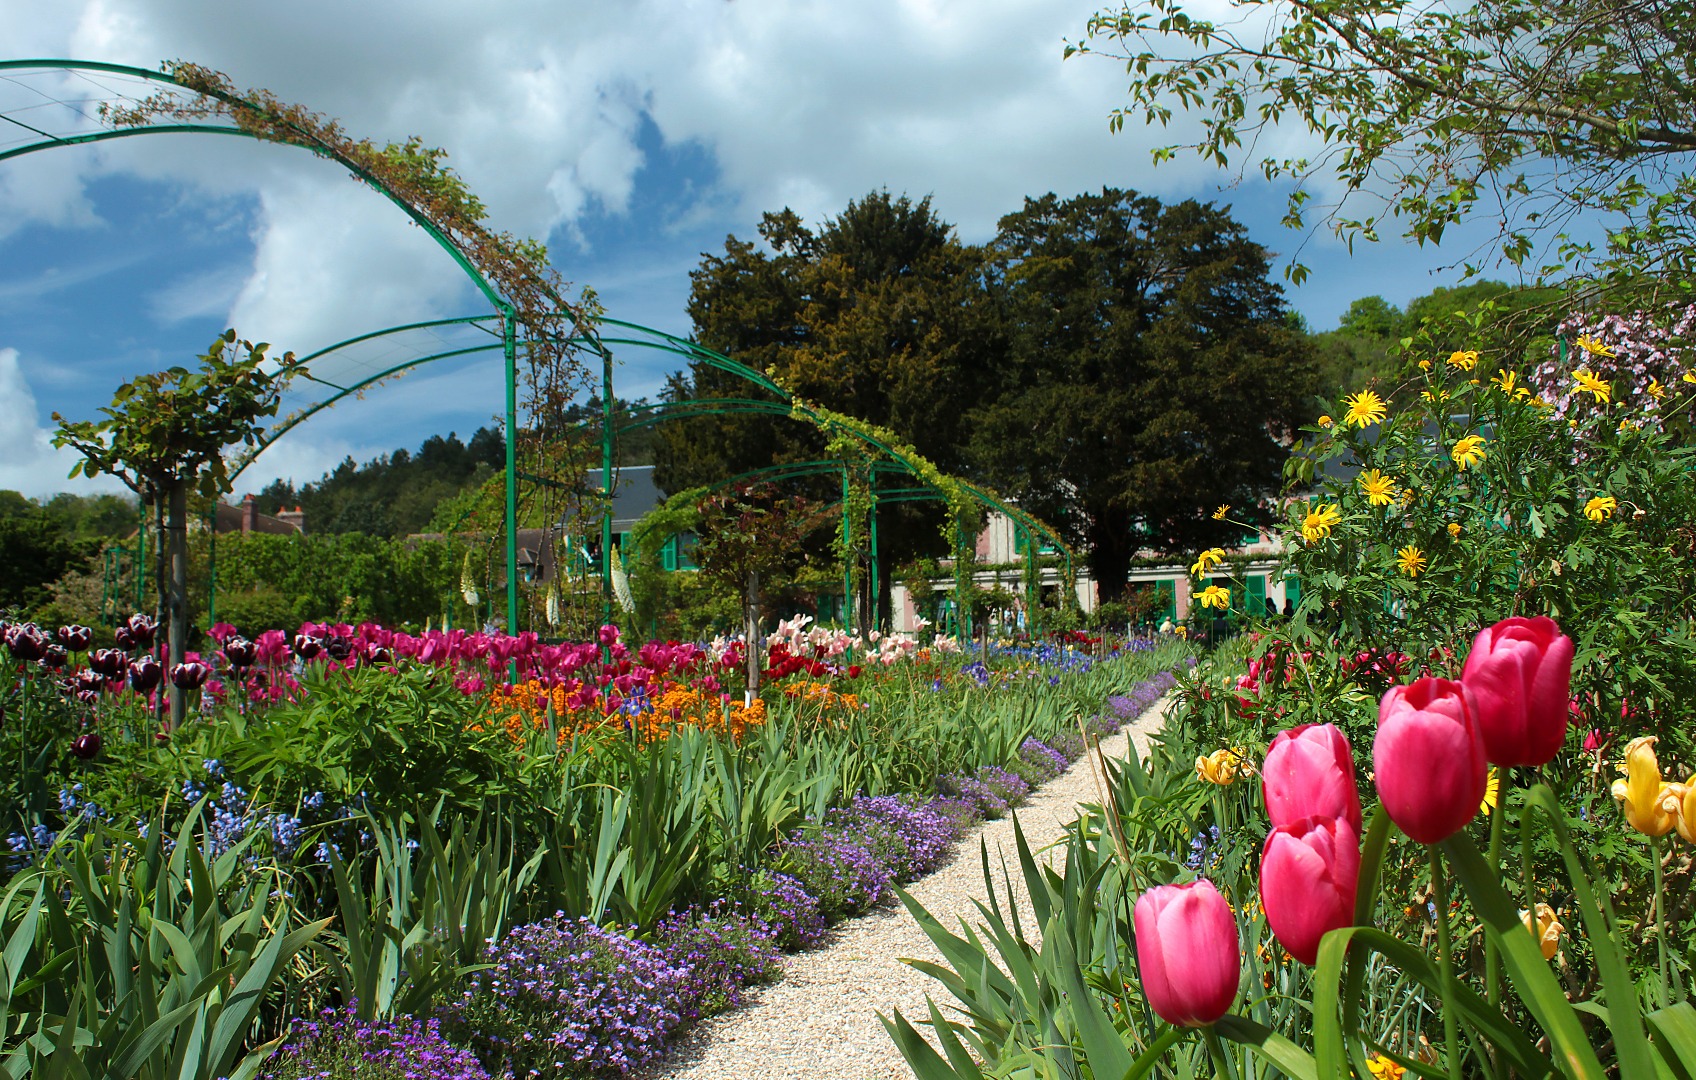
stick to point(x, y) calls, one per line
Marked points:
point(1309, 871)
point(1429, 758)
point(1188, 953)
point(1309, 772)
point(1520, 671)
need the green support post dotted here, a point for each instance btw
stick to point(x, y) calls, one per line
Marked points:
point(509, 349)
point(140, 553)
point(877, 596)
point(212, 566)
point(606, 485)
point(847, 556)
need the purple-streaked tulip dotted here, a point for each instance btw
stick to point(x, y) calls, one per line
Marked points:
point(110, 663)
point(307, 647)
point(1309, 872)
point(240, 652)
point(1188, 953)
point(54, 656)
point(142, 628)
point(75, 638)
point(1520, 675)
point(1429, 758)
point(86, 746)
point(191, 675)
point(26, 641)
point(145, 674)
point(1309, 771)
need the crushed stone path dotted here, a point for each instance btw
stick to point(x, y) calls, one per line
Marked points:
point(821, 1022)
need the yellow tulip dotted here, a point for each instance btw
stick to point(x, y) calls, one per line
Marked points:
point(1547, 931)
point(1219, 767)
point(1640, 793)
point(1679, 800)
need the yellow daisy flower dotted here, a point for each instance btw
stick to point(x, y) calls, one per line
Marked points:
point(1689, 376)
point(1454, 530)
point(1594, 347)
point(1219, 514)
point(1425, 365)
point(1492, 791)
point(1207, 560)
point(1510, 385)
point(1656, 390)
point(1628, 425)
point(1468, 452)
point(1382, 1068)
point(1380, 489)
point(1410, 561)
point(1601, 507)
point(1434, 396)
point(1588, 383)
point(1319, 522)
point(1326, 421)
point(1214, 596)
point(1365, 409)
point(1465, 359)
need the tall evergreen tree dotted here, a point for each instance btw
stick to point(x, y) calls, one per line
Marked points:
point(1153, 375)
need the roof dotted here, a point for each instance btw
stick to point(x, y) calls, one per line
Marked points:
point(634, 493)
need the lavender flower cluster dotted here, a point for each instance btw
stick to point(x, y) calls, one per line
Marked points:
point(1040, 763)
point(990, 792)
point(788, 911)
point(340, 1046)
point(917, 837)
point(567, 999)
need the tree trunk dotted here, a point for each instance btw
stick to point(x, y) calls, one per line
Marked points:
point(751, 636)
point(1110, 555)
point(176, 532)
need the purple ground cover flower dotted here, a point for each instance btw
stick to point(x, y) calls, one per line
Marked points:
point(725, 949)
point(786, 908)
point(840, 868)
point(569, 999)
point(1040, 762)
point(339, 1045)
point(924, 834)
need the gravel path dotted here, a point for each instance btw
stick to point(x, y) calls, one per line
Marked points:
point(821, 1020)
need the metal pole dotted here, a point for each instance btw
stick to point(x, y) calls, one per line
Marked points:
point(877, 595)
point(140, 552)
point(509, 347)
point(607, 421)
point(847, 556)
point(212, 565)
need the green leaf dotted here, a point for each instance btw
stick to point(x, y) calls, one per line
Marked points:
point(1285, 1055)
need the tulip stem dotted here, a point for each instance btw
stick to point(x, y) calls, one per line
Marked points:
point(1660, 916)
point(1492, 959)
point(1445, 951)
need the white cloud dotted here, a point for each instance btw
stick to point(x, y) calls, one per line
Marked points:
point(29, 462)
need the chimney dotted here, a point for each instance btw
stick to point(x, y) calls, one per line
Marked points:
point(295, 517)
point(249, 513)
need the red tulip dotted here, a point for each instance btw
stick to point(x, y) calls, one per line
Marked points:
point(1520, 671)
point(1309, 772)
point(1309, 871)
point(1429, 758)
point(86, 747)
point(1188, 953)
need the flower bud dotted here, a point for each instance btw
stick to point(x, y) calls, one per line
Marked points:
point(1519, 672)
point(1309, 872)
point(1188, 953)
point(1309, 772)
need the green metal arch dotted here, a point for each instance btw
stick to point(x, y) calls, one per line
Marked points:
point(54, 141)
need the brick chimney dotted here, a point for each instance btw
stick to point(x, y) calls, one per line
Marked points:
point(249, 514)
point(295, 517)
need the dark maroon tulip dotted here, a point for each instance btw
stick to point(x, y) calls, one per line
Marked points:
point(306, 646)
point(240, 652)
point(90, 698)
point(125, 639)
point(190, 676)
point(145, 674)
point(75, 638)
point(338, 649)
point(381, 656)
point(55, 656)
point(91, 681)
point(142, 628)
point(112, 663)
point(26, 641)
point(86, 747)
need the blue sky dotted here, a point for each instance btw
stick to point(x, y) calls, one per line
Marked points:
point(632, 136)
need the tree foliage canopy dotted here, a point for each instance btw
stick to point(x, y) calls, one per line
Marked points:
point(1152, 374)
point(1534, 111)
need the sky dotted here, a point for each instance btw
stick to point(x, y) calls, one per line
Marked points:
point(632, 135)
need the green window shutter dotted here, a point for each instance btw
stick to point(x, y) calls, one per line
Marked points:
point(686, 552)
point(1166, 600)
point(1292, 589)
point(668, 553)
point(1256, 595)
